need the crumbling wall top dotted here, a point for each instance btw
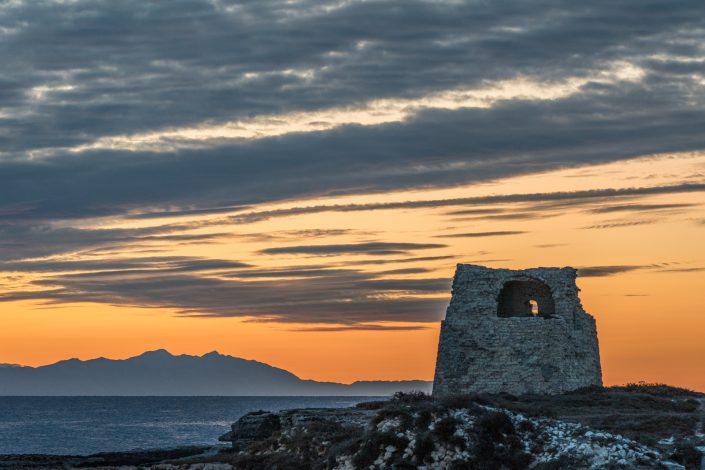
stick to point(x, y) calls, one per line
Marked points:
point(479, 291)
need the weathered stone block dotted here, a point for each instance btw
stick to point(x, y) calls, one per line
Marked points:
point(516, 331)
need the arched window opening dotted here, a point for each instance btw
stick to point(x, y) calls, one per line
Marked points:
point(525, 298)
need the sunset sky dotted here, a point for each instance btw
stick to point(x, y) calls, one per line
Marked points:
point(295, 181)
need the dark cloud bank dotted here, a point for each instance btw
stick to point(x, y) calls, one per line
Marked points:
point(92, 69)
point(200, 287)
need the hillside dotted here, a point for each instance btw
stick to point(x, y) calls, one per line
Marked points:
point(159, 373)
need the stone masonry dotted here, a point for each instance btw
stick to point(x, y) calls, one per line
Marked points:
point(516, 331)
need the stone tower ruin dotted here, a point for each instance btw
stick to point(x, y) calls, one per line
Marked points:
point(516, 331)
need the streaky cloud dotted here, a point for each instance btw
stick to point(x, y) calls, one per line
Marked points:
point(619, 223)
point(378, 248)
point(604, 271)
point(639, 207)
point(358, 327)
point(571, 197)
point(499, 233)
point(330, 296)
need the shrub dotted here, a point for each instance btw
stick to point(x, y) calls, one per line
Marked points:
point(371, 405)
point(445, 428)
point(390, 439)
point(424, 446)
point(423, 419)
point(498, 445)
point(275, 461)
point(563, 462)
point(495, 424)
point(366, 455)
point(458, 402)
point(404, 415)
point(411, 397)
point(687, 455)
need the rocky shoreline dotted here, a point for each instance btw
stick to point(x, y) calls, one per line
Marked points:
point(637, 426)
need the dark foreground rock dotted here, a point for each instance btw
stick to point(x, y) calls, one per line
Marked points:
point(179, 456)
point(633, 427)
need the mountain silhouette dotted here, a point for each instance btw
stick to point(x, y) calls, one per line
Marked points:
point(162, 373)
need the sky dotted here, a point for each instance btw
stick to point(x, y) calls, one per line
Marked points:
point(295, 181)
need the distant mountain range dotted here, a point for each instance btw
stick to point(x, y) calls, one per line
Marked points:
point(162, 373)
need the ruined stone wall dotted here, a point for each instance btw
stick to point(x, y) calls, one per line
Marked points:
point(517, 352)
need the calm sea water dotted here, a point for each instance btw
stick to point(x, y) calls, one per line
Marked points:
point(86, 425)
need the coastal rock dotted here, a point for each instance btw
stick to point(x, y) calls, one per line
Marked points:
point(255, 426)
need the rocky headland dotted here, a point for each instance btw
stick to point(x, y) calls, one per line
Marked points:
point(631, 427)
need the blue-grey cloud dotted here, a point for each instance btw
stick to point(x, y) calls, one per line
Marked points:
point(133, 65)
point(74, 72)
point(341, 296)
point(377, 248)
point(543, 201)
point(20, 241)
point(122, 265)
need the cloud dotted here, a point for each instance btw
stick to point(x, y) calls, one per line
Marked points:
point(666, 267)
point(170, 264)
point(638, 208)
point(564, 198)
point(147, 61)
point(623, 81)
point(619, 223)
point(500, 233)
point(359, 327)
point(340, 296)
point(24, 239)
point(19, 241)
point(683, 270)
point(377, 248)
point(415, 259)
point(603, 271)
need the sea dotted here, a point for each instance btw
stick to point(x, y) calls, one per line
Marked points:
point(88, 425)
